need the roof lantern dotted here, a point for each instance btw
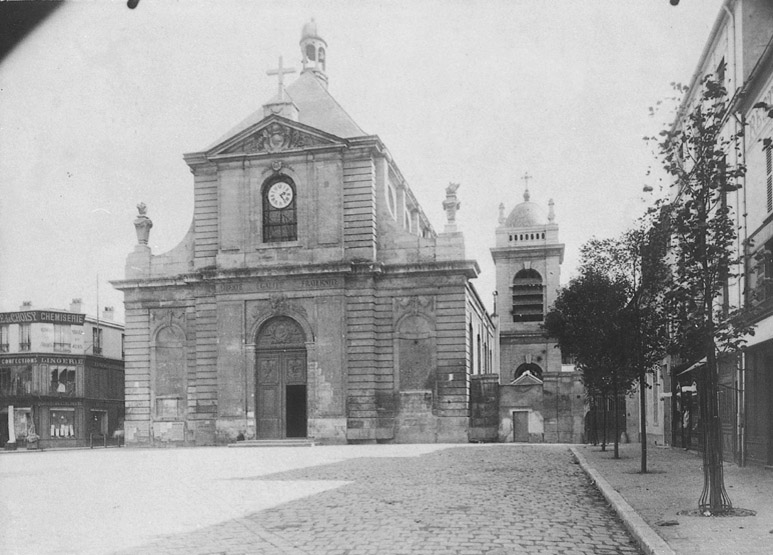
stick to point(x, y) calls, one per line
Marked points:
point(313, 51)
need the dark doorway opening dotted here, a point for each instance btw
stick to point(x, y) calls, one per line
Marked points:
point(3, 430)
point(296, 410)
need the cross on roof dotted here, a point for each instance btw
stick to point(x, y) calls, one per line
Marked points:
point(281, 71)
point(526, 178)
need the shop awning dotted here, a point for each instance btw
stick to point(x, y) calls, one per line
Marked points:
point(701, 362)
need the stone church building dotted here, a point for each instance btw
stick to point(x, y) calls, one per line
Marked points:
point(311, 296)
point(540, 399)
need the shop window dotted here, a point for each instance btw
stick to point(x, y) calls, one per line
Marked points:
point(63, 381)
point(98, 423)
point(3, 339)
point(5, 381)
point(62, 423)
point(62, 338)
point(97, 340)
point(24, 337)
point(22, 422)
point(16, 380)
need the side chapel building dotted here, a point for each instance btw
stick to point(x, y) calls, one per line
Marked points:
point(311, 296)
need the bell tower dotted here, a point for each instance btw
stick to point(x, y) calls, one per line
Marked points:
point(313, 51)
point(528, 257)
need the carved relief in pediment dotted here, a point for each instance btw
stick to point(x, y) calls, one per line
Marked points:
point(276, 138)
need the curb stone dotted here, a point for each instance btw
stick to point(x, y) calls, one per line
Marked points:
point(649, 540)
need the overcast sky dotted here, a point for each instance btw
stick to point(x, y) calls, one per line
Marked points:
point(98, 105)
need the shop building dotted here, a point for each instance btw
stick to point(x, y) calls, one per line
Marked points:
point(61, 377)
point(738, 53)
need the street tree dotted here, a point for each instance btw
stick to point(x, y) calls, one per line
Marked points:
point(700, 154)
point(635, 260)
point(588, 320)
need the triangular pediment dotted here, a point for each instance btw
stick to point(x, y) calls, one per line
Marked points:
point(273, 135)
point(527, 378)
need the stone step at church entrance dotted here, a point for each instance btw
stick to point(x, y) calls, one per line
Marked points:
point(292, 442)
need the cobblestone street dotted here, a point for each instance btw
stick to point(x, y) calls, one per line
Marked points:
point(385, 499)
point(470, 500)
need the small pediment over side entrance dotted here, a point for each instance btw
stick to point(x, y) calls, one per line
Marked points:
point(527, 378)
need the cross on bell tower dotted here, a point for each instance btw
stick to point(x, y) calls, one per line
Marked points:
point(525, 178)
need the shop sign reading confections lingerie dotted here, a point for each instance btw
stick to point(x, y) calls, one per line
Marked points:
point(48, 316)
point(280, 285)
point(42, 359)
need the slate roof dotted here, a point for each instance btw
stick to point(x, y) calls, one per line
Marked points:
point(316, 108)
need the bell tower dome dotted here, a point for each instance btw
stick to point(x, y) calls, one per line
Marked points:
point(313, 51)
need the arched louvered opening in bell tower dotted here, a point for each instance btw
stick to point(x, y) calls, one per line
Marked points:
point(528, 296)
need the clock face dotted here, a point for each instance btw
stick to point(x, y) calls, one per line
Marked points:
point(280, 194)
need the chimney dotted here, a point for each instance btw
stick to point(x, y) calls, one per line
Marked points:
point(108, 314)
point(26, 305)
point(76, 305)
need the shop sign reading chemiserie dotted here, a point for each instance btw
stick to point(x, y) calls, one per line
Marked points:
point(45, 316)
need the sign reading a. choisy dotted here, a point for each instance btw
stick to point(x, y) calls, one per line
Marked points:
point(47, 316)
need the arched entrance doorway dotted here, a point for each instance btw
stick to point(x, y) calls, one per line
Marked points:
point(280, 379)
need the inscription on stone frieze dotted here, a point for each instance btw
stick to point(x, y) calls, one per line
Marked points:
point(280, 285)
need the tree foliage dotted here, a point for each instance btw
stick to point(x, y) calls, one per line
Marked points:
point(696, 155)
point(701, 155)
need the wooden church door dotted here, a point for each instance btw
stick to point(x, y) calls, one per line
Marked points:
point(280, 380)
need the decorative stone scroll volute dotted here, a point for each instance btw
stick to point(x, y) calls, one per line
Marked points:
point(142, 224)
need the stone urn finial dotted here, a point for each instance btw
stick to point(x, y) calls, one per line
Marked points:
point(142, 224)
point(451, 205)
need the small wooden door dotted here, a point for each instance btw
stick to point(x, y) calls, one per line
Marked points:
point(521, 426)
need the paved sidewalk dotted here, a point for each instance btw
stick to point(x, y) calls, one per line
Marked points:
point(673, 484)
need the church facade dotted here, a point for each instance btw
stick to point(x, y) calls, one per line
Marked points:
point(540, 399)
point(311, 297)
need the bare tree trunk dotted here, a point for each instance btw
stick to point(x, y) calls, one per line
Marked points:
point(617, 419)
point(604, 431)
point(714, 498)
point(643, 418)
